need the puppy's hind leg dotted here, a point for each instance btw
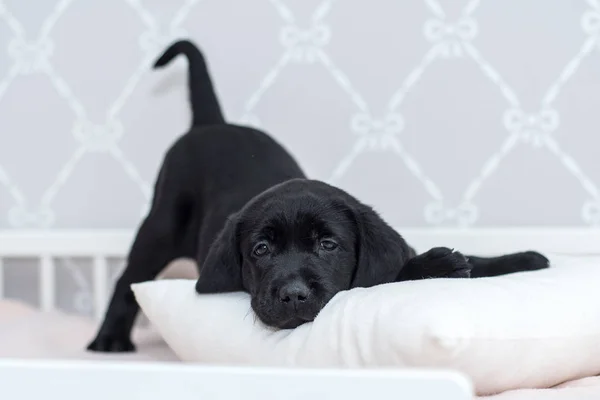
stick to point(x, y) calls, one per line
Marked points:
point(507, 264)
point(166, 233)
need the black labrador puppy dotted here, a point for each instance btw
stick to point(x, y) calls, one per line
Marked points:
point(234, 199)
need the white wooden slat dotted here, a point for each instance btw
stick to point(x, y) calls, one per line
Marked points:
point(495, 241)
point(47, 282)
point(100, 285)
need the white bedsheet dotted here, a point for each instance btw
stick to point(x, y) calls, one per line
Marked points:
point(28, 333)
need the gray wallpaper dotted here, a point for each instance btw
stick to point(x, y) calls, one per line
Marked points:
point(438, 113)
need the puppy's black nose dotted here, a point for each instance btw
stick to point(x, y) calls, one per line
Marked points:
point(294, 293)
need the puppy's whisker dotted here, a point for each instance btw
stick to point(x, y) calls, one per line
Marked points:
point(248, 313)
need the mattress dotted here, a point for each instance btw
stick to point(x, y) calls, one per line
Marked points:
point(26, 332)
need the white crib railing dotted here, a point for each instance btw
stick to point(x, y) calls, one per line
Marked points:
point(48, 246)
point(100, 245)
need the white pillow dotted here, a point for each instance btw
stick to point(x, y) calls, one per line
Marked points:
point(526, 330)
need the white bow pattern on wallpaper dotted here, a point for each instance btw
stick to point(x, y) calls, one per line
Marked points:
point(370, 130)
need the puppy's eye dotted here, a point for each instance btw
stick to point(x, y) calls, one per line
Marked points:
point(328, 244)
point(260, 249)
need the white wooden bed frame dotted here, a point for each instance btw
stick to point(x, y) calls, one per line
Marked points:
point(74, 379)
point(70, 380)
point(100, 245)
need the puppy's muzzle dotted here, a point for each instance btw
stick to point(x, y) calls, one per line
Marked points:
point(293, 295)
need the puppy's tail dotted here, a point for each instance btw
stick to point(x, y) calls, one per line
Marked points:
point(206, 109)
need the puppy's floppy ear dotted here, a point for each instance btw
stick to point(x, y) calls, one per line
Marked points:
point(381, 251)
point(222, 268)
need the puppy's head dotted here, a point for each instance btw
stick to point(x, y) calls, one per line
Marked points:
point(295, 246)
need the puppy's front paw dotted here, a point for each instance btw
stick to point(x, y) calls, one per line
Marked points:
point(442, 262)
point(111, 344)
point(530, 261)
point(439, 262)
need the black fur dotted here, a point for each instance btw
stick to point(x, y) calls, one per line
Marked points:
point(206, 109)
point(234, 199)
